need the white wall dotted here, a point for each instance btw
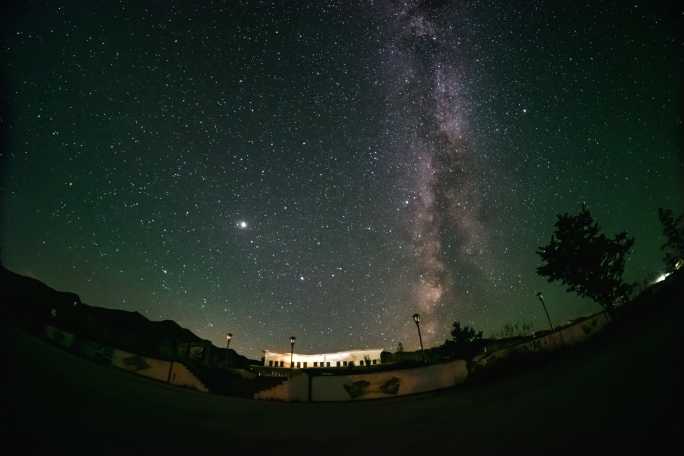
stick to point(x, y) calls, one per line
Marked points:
point(392, 383)
point(165, 371)
point(398, 382)
point(141, 365)
point(294, 389)
point(565, 337)
point(181, 376)
point(585, 329)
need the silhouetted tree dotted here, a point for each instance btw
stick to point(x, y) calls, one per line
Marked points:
point(586, 261)
point(465, 341)
point(516, 329)
point(464, 334)
point(400, 348)
point(673, 248)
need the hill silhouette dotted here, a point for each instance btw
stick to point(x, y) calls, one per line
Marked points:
point(31, 304)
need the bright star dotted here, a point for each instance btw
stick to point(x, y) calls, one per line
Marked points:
point(242, 225)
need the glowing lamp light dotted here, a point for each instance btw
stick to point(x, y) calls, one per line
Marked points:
point(416, 318)
point(292, 341)
point(662, 277)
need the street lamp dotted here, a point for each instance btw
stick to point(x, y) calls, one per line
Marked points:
point(229, 337)
point(416, 319)
point(292, 341)
point(541, 299)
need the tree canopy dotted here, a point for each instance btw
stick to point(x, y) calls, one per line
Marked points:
point(465, 341)
point(585, 260)
point(673, 230)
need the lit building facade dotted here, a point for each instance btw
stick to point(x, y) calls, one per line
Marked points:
point(350, 358)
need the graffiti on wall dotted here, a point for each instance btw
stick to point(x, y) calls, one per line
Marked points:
point(135, 363)
point(362, 388)
point(559, 339)
point(97, 352)
point(165, 371)
point(61, 338)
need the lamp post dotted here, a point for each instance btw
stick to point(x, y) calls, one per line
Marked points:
point(416, 319)
point(229, 337)
point(292, 341)
point(541, 299)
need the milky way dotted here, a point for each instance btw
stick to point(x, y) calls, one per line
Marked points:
point(430, 90)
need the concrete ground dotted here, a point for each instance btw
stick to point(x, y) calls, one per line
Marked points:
point(618, 394)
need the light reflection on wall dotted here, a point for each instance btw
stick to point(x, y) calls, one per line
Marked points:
point(348, 358)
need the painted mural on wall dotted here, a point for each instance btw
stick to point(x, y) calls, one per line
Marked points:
point(356, 389)
point(391, 386)
point(197, 352)
point(62, 338)
point(391, 383)
point(165, 371)
point(136, 363)
point(361, 388)
point(101, 354)
point(565, 337)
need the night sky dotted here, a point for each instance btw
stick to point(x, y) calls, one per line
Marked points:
point(325, 171)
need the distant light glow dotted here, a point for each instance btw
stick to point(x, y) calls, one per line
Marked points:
point(242, 225)
point(662, 277)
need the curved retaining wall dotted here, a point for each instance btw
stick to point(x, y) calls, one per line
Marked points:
point(306, 387)
point(171, 372)
point(565, 337)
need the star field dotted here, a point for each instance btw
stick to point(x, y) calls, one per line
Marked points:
point(325, 170)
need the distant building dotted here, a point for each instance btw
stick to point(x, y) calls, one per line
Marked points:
point(350, 358)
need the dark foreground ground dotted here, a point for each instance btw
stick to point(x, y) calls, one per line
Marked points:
point(619, 394)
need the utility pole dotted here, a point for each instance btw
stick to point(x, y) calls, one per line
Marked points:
point(416, 319)
point(541, 299)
